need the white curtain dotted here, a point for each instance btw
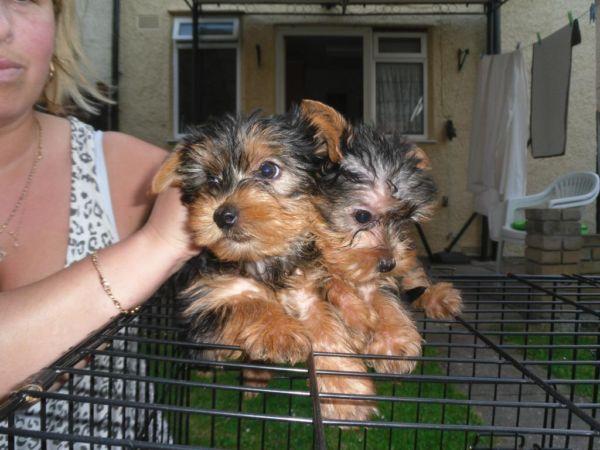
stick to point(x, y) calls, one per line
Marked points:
point(400, 97)
point(499, 134)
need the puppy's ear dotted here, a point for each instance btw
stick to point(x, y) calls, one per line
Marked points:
point(330, 124)
point(423, 161)
point(167, 175)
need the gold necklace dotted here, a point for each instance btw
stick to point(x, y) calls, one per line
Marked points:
point(4, 226)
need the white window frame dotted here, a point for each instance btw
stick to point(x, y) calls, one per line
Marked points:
point(420, 57)
point(371, 56)
point(186, 43)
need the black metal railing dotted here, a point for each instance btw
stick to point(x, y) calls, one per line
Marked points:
point(520, 368)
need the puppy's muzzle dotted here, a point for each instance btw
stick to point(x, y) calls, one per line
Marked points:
point(226, 216)
point(386, 265)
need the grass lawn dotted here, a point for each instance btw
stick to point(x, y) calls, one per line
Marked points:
point(535, 351)
point(256, 434)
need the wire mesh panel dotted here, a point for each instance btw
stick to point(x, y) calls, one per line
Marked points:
point(519, 369)
point(547, 328)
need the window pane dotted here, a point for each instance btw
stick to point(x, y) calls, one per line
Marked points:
point(185, 29)
point(400, 101)
point(399, 45)
point(224, 28)
point(217, 85)
point(220, 28)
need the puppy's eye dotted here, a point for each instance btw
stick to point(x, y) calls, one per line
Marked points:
point(268, 170)
point(213, 181)
point(363, 216)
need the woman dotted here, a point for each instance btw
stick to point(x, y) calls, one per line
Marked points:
point(66, 192)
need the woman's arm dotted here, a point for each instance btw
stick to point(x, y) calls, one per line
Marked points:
point(41, 321)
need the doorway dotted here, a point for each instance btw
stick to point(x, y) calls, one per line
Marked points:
point(324, 65)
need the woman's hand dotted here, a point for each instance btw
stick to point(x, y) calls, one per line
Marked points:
point(167, 226)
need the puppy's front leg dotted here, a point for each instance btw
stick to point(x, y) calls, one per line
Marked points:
point(438, 300)
point(395, 335)
point(358, 315)
point(234, 310)
point(329, 334)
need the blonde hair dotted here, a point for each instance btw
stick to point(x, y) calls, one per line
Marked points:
point(69, 87)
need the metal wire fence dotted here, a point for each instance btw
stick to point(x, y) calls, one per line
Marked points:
point(519, 369)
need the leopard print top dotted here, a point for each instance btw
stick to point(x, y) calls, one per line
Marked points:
point(92, 227)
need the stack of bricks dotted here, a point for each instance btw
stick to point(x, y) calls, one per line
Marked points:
point(590, 259)
point(554, 242)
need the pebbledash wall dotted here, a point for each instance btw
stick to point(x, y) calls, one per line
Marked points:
point(96, 34)
point(146, 84)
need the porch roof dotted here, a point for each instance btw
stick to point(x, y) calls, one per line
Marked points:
point(346, 6)
point(352, 2)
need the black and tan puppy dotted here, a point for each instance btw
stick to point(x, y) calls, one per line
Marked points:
point(371, 192)
point(248, 185)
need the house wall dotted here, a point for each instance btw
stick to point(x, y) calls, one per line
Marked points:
point(146, 86)
point(96, 35)
point(145, 63)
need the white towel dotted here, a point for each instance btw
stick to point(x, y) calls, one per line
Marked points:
point(500, 130)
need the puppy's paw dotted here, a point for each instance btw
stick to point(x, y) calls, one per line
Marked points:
point(403, 343)
point(255, 378)
point(341, 408)
point(359, 410)
point(283, 344)
point(440, 301)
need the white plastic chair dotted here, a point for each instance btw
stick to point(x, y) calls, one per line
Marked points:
point(567, 191)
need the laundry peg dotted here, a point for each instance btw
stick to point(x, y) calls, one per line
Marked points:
point(518, 47)
point(593, 12)
point(539, 36)
point(570, 16)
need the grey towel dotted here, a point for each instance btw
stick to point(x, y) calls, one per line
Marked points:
point(550, 79)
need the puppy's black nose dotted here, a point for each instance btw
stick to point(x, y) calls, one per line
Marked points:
point(225, 216)
point(387, 265)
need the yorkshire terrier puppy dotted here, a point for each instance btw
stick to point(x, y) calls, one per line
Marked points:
point(248, 186)
point(371, 191)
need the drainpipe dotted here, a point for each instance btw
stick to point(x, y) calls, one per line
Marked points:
point(116, 31)
point(493, 27)
point(493, 47)
point(597, 121)
point(195, 62)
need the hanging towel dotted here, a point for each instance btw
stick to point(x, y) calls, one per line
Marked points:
point(498, 151)
point(550, 80)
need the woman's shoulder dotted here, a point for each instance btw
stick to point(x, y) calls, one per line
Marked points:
point(131, 162)
point(119, 147)
point(124, 149)
point(131, 165)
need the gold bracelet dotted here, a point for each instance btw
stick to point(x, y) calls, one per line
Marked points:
point(108, 290)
